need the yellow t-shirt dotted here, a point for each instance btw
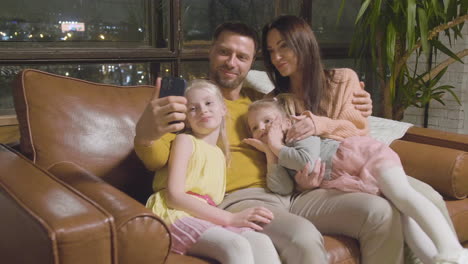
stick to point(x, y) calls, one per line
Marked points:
point(248, 165)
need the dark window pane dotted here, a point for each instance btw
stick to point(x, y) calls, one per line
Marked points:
point(345, 63)
point(200, 17)
point(200, 69)
point(79, 21)
point(190, 70)
point(119, 74)
point(258, 65)
point(339, 63)
point(324, 17)
point(292, 7)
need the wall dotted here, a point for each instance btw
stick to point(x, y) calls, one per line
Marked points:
point(452, 117)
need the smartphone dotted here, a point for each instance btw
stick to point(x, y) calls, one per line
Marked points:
point(172, 86)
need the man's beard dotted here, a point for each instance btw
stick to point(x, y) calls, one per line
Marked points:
point(228, 84)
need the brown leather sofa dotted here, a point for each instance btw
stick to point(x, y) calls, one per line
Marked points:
point(74, 191)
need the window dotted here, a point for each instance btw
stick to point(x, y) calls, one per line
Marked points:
point(196, 31)
point(74, 21)
point(129, 42)
point(327, 28)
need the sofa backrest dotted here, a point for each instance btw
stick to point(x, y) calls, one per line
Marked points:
point(90, 124)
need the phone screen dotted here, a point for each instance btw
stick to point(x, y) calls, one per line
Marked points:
point(172, 86)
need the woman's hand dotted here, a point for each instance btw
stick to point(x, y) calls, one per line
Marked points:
point(252, 217)
point(362, 101)
point(302, 128)
point(306, 181)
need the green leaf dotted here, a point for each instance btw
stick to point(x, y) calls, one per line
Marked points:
point(446, 5)
point(440, 101)
point(340, 12)
point(390, 43)
point(423, 29)
point(464, 7)
point(434, 80)
point(438, 94)
point(363, 9)
point(378, 7)
point(454, 96)
point(443, 87)
point(438, 9)
point(445, 50)
point(463, 11)
point(392, 87)
point(452, 10)
point(410, 22)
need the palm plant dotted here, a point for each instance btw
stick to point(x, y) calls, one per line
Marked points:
point(391, 31)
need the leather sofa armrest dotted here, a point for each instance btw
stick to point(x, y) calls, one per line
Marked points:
point(141, 236)
point(445, 169)
point(46, 221)
point(437, 138)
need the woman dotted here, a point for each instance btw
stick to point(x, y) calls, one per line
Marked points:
point(292, 59)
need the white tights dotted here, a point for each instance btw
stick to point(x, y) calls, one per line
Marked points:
point(429, 234)
point(228, 247)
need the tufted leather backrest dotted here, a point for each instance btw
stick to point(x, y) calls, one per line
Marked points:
point(90, 124)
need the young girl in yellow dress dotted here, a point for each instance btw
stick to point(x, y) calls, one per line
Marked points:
point(189, 188)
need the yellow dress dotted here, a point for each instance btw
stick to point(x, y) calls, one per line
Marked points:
point(206, 175)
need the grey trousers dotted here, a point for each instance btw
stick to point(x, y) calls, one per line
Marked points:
point(300, 220)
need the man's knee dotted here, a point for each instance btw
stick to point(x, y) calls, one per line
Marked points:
point(306, 246)
point(379, 212)
point(304, 236)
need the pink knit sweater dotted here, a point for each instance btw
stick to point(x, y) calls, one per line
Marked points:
point(341, 119)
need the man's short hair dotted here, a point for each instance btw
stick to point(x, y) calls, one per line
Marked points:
point(238, 28)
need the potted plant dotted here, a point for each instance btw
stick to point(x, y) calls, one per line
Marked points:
point(390, 32)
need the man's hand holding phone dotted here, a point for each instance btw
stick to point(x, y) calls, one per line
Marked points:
point(162, 115)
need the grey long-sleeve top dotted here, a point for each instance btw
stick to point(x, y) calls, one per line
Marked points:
point(294, 156)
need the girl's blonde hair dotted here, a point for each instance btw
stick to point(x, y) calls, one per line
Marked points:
point(212, 88)
point(284, 103)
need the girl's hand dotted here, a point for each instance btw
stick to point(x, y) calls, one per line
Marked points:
point(302, 128)
point(362, 101)
point(252, 217)
point(275, 136)
point(306, 181)
point(256, 143)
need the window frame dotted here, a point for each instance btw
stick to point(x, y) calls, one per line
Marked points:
point(14, 53)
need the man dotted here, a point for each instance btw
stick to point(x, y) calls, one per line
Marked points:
point(300, 219)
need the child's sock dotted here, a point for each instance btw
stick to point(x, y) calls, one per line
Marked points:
point(461, 258)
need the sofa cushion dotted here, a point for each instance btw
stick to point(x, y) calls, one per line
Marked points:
point(458, 210)
point(90, 124)
point(445, 169)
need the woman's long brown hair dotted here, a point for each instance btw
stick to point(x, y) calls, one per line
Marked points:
point(299, 37)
